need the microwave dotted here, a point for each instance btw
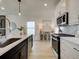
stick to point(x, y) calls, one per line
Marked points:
point(63, 19)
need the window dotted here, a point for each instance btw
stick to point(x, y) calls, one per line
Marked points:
point(30, 27)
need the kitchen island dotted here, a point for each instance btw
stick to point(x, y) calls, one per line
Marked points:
point(18, 49)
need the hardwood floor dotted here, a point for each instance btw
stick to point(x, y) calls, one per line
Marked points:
point(41, 50)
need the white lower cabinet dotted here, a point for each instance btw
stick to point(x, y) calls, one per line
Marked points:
point(69, 50)
point(76, 55)
point(76, 51)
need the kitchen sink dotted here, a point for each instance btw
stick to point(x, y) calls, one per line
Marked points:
point(9, 41)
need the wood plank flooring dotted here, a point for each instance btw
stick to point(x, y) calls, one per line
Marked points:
point(41, 50)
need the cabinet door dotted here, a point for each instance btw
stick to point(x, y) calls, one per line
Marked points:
point(66, 51)
point(23, 53)
point(29, 46)
point(75, 51)
point(16, 56)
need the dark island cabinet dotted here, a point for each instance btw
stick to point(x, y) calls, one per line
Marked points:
point(20, 51)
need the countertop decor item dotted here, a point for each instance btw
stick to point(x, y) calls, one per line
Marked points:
point(21, 30)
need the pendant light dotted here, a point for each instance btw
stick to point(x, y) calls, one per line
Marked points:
point(19, 7)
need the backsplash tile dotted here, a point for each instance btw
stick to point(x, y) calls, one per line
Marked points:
point(71, 29)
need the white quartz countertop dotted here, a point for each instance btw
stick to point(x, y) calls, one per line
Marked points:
point(10, 46)
point(73, 40)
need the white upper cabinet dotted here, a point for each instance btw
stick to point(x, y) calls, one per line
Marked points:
point(73, 11)
point(61, 9)
point(70, 6)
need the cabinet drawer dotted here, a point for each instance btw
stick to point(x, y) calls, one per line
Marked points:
point(76, 55)
point(71, 49)
point(76, 51)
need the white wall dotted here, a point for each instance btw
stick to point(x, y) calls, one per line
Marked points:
point(19, 20)
point(73, 9)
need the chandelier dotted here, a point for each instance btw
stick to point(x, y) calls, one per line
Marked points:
point(19, 1)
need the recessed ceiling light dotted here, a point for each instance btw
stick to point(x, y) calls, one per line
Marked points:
point(2, 8)
point(45, 4)
point(19, 14)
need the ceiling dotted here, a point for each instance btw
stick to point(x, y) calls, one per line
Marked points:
point(29, 8)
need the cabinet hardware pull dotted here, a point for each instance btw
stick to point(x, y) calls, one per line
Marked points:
point(76, 49)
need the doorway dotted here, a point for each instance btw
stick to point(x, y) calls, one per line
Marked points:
point(30, 27)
